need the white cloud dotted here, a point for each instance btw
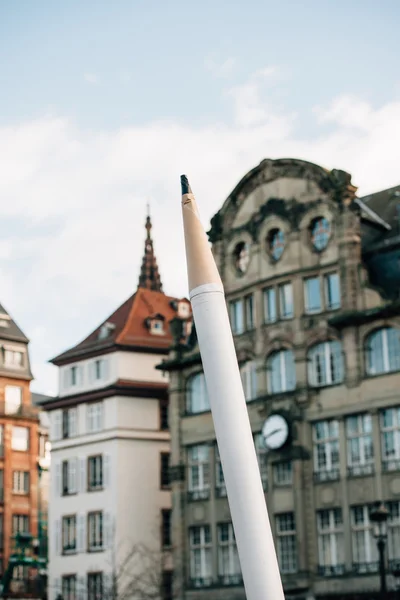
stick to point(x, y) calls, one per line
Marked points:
point(250, 107)
point(79, 201)
point(221, 69)
point(91, 78)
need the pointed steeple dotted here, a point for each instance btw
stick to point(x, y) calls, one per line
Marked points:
point(149, 275)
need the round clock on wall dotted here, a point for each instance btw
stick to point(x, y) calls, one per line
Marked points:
point(275, 432)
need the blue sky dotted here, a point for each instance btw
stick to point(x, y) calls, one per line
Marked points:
point(103, 105)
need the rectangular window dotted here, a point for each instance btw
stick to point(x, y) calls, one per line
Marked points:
point(95, 473)
point(13, 358)
point(164, 471)
point(99, 369)
point(95, 531)
point(68, 587)
point(20, 524)
point(20, 439)
point(286, 542)
point(360, 452)
point(390, 438)
point(166, 528)
point(249, 309)
point(13, 397)
point(262, 458)
point(286, 301)
point(1, 486)
point(199, 472)
point(332, 291)
point(330, 542)
point(237, 317)
point(200, 556)
point(69, 476)
point(248, 373)
point(220, 487)
point(270, 312)
point(69, 534)
point(69, 422)
point(95, 417)
point(164, 415)
point(283, 473)
point(229, 572)
point(95, 586)
point(20, 482)
point(365, 554)
point(312, 295)
point(326, 450)
point(73, 374)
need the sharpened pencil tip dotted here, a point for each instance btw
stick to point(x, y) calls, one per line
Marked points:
point(186, 189)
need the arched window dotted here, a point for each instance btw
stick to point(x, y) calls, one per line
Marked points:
point(248, 373)
point(325, 364)
point(281, 372)
point(383, 351)
point(196, 394)
point(320, 233)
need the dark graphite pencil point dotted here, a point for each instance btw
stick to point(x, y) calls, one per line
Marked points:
point(186, 189)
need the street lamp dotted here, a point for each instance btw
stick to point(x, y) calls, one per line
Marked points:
point(379, 517)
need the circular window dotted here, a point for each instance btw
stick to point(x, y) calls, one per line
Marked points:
point(241, 257)
point(320, 233)
point(276, 243)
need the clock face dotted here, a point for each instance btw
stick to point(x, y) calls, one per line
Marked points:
point(275, 432)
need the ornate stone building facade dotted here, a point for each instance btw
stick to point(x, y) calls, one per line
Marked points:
point(311, 274)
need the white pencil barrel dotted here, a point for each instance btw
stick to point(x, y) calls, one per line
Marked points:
point(236, 446)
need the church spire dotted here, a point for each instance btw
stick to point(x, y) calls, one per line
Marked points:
point(149, 275)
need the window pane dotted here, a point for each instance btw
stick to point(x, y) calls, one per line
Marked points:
point(312, 295)
point(332, 291)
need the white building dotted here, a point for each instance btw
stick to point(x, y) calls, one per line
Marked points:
point(110, 447)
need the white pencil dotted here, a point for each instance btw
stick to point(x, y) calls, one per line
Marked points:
point(250, 520)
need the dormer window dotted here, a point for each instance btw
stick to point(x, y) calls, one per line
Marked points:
point(105, 330)
point(13, 358)
point(183, 310)
point(157, 326)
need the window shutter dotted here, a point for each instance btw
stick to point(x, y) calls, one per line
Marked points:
point(81, 587)
point(105, 369)
point(73, 475)
point(90, 371)
point(73, 421)
point(81, 376)
point(55, 422)
point(107, 531)
point(57, 587)
point(81, 533)
point(106, 470)
point(82, 475)
point(66, 378)
point(57, 540)
point(57, 479)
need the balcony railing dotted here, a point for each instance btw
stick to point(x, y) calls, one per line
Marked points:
point(200, 582)
point(368, 567)
point(230, 580)
point(323, 476)
point(220, 491)
point(391, 465)
point(360, 470)
point(22, 412)
point(331, 570)
point(198, 495)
